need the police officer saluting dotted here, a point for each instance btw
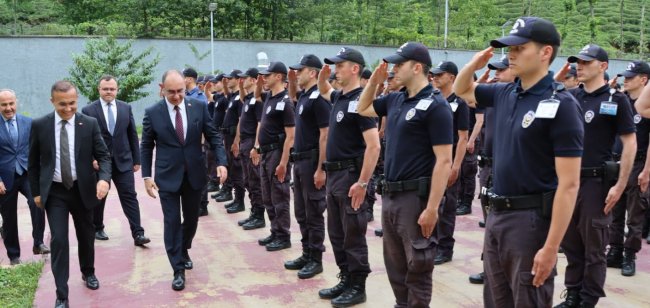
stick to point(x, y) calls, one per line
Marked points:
point(607, 113)
point(229, 130)
point(352, 153)
point(419, 120)
point(538, 146)
point(312, 121)
point(275, 138)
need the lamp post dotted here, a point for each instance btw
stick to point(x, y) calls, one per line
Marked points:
point(446, 20)
point(503, 32)
point(212, 7)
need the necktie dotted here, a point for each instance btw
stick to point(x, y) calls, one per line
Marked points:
point(111, 119)
point(179, 125)
point(64, 149)
point(13, 132)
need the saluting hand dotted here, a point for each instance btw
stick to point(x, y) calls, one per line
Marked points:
point(427, 221)
point(291, 76)
point(222, 174)
point(613, 82)
point(325, 73)
point(102, 189)
point(485, 77)
point(481, 58)
point(380, 74)
point(560, 76)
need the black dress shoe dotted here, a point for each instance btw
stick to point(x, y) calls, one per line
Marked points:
point(91, 281)
point(179, 280)
point(140, 240)
point(379, 232)
point(227, 196)
point(41, 249)
point(14, 261)
point(266, 240)
point(203, 211)
point(254, 223)
point(236, 207)
point(477, 278)
point(441, 258)
point(187, 261)
point(481, 224)
point(61, 303)
point(101, 235)
point(463, 209)
point(212, 186)
point(278, 244)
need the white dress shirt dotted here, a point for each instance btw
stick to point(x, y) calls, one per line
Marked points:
point(105, 110)
point(70, 128)
point(172, 116)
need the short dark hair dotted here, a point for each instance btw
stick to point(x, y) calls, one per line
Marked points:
point(107, 78)
point(646, 76)
point(62, 86)
point(556, 48)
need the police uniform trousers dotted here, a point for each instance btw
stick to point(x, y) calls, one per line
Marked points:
point(251, 176)
point(634, 202)
point(467, 177)
point(211, 163)
point(512, 238)
point(485, 180)
point(235, 170)
point(444, 230)
point(585, 241)
point(309, 205)
point(276, 195)
point(345, 226)
point(408, 256)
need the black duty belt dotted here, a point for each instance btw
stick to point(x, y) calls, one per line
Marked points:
point(420, 185)
point(296, 156)
point(270, 147)
point(523, 202)
point(592, 172)
point(339, 165)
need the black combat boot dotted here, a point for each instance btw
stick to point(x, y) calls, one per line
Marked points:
point(354, 294)
point(571, 298)
point(338, 289)
point(313, 267)
point(299, 262)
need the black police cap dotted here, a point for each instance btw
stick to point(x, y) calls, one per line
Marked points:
point(366, 74)
point(445, 67)
point(391, 75)
point(308, 61)
point(589, 53)
point(573, 72)
point(410, 51)
point(500, 65)
point(233, 74)
point(635, 68)
point(347, 54)
point(251, 72)
point(529, 29)
point(275, 67)
point(201, 79)
point(190, 72)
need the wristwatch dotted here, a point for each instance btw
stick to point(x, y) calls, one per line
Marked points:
point(257, 149)
point(363, 185)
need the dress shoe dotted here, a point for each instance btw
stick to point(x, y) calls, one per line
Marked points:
point(236, 207)
point(481, 224)
point(355, 294)
point(477, 278)
point(140, 240)
point(212, 186)
point(15, 261)
point(370, 215)
point(628, 267)
point(246, 220)
point(379, 232)
point(335, 291)
point(101, 235)
point(179, 280)
point(615, 257)
point(227, 196)
point(41, 249)
point(299, 262)
point(203, 211)
point(310, 270)
point(463, 209)
point(441, 258)
point(266, 240)
point(187, 261)
point(255, 223)
point(278, 244)
point(91, 281)
point(571, 298)
point(61, 303)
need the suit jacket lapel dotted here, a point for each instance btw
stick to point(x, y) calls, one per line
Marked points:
point(189, 112)
point(100, 113)
point(22, 127)
point(120, 111)
point(164, 112)
point(4, 133)
point(78, 128)
point(51, 123)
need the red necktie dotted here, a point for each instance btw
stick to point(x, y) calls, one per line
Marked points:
point(179, 125)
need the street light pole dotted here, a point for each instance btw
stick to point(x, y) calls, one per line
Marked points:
point(446, 20)
point(212, 7)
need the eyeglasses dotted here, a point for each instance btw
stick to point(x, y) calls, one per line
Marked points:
point(109, 89)
point(174, 92)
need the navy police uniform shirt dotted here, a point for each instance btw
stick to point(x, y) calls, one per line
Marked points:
point(233, 111)
point(525, 145)
point(488, 131)
point(642, 131)
point(250, 116)
point(414, 125)
point(197, 94)
point(602, 124)
point(345, 135)
point(277, 113)
point(461, 115)
point(220, 105)
point(312, 114)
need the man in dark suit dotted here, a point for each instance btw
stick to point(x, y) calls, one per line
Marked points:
point(121, 138)
point(174, 126)
point(14, 136)
point(62, 148)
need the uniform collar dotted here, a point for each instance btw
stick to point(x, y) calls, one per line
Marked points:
point(539, 88)
point(312, 89)
point(352, 93)
point(280, 94)
point(193, 91)
point(604, 89)
point(424, 93)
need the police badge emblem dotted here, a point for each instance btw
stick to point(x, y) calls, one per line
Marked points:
point(529, 117)
point(410, 114)
point(637, 118)
point(300, 109)
point(589, 115)
point(268, 109)
point(339, 116)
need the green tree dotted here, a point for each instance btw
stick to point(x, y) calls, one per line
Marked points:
point(106, 56)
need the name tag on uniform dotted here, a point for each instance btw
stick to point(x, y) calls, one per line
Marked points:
point(237, 97)
point(608, 108)
point(547, 109)
point(352, 107)
point(314, 95)
point(279, 106)
point(252, 102)
point(454, 106)
point(424, 104)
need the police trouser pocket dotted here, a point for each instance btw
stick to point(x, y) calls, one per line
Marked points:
point(423, 254)
point(600, 234)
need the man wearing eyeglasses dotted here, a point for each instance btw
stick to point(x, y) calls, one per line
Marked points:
point(121, 138)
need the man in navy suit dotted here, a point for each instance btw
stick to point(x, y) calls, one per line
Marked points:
point(121, 138)
point(14, 148)
point(174, 126)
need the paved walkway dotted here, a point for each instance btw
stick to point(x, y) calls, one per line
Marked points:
point(232, 270)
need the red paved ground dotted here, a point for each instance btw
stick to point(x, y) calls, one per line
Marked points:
point(231, 270)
